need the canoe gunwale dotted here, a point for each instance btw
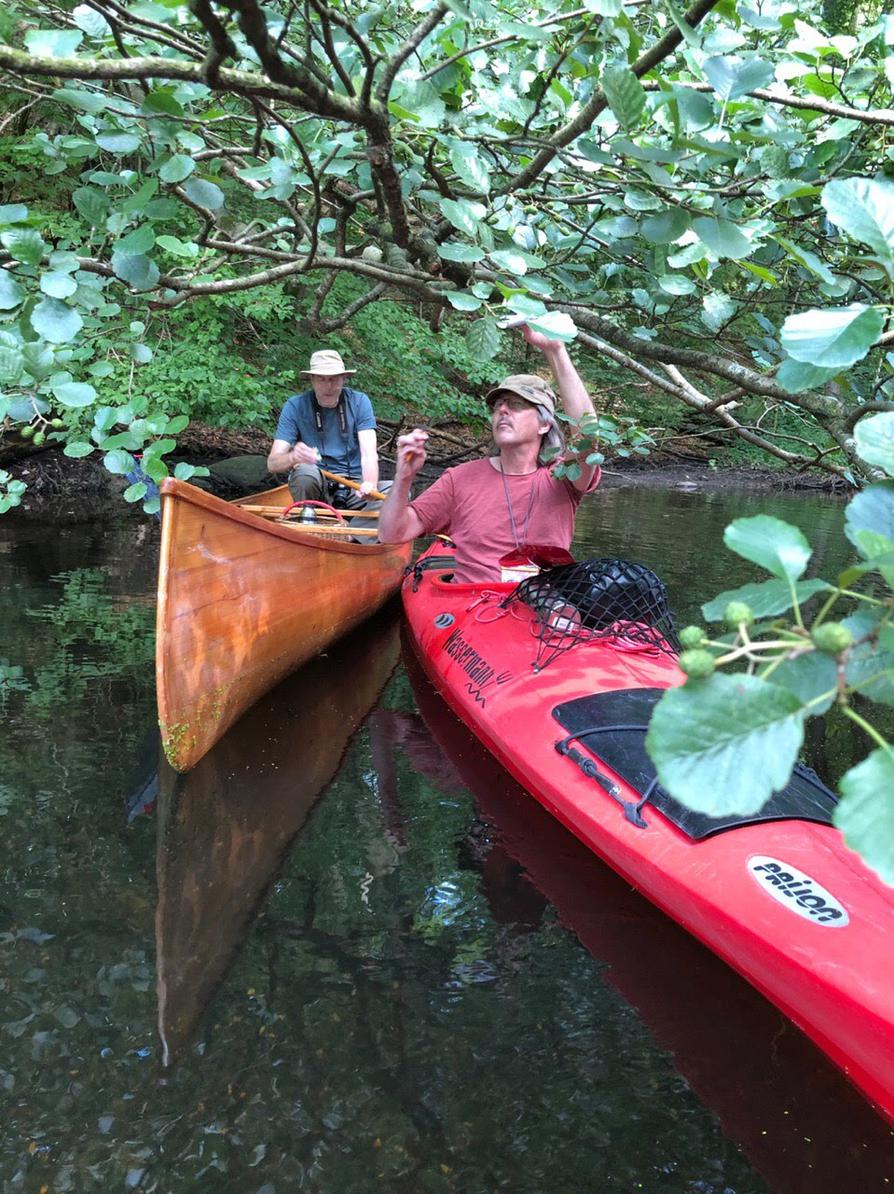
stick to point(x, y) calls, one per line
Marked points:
point(181, 491)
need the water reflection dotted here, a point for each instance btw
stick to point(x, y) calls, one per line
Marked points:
point(373, 993)
point(225, 828)
point(794, 1115)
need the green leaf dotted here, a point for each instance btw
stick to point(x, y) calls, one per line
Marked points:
point(179, 248)
point(554, 324)
point(864, 208)
point(84, 101)
point(717, 309)
point(871, 510)
point(809, 260)
point(25, 245)
point(526, 304)
point(463, 214)
point(177, 424)
point(139, 271)
point(512, 262)
point(483, 339)
point(810, 676)
point(56, 321)
point(869, 668)
point(136, 492)
point(767, 598)
point(461, 300)
point(177, 168)
point(874, 439)
point(75, 394)
point(469, 165)
point(118, 461)
point(11, 293)
point(453, 250)
point(726, 744)
point(665, 227)
point(92, 22)
point(797, 376)
point(722, 237)
point(732, 77)
point(866, 814)
point(138, 241)
point(205, 194)
point(53, 43)
point(118, 143)
point(832, 337)
point(676, 284)
point(77, 450)
point(775, 545)
point(13, 213)
point(58, 285)
point(92, 205)
point(162, 99)
point(12, 365)
point(624, 93)
point(141, 353)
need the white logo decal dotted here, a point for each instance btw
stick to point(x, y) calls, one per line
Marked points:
point(442, 621)
point(797, 891)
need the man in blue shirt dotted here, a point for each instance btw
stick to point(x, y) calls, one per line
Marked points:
point(328, 427)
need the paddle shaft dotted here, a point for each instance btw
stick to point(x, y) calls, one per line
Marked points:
point(277, 511)
point(375, 494)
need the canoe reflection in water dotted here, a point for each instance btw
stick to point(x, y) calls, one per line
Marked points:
point(794, 1115)
point(225, 829)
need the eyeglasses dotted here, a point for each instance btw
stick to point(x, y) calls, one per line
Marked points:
point(512, 402)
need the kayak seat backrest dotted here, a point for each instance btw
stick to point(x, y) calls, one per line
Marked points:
point(612, 726)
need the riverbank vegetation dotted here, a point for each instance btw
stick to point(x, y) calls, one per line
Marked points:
point(195, 197)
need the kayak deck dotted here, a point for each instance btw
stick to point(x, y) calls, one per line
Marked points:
point(785, 902)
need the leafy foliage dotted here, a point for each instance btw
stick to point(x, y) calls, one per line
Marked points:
point(725, 742)
point(701, 197)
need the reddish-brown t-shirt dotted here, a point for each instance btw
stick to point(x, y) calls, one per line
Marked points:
point(468, 503)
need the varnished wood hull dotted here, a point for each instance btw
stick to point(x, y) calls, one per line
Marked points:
point(242, 602)
point(225, 829)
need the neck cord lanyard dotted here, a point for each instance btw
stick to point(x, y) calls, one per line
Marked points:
point(342, 425)
point(512, 522)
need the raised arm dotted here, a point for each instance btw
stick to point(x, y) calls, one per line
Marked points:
point(576, 402)
point(398, 523)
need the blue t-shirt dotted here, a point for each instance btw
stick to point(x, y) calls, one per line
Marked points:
point(340, 449)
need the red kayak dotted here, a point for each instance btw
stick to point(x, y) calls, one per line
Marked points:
point(557, 676)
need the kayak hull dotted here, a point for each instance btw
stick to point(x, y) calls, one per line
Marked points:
point(819, 946)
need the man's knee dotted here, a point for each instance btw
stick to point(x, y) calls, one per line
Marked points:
point(306, 483)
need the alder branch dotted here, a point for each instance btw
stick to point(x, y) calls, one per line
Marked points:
point(583, 121)
point(788, 99)
point(416, 38)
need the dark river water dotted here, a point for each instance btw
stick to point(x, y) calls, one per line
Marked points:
point(346, 953)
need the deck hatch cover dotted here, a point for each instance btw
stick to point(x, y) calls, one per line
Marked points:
point(612, 726)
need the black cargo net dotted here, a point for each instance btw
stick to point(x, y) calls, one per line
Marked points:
point(598, 599)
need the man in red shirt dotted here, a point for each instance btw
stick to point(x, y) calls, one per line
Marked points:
point(493, 506)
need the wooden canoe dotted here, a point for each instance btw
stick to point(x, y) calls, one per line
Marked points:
point(242, 602)
point(226, 829)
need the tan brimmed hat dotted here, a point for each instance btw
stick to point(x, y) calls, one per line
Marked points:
point(327, 363)
point(528, 386)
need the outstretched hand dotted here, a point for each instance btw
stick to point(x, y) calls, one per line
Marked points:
point(539, 341)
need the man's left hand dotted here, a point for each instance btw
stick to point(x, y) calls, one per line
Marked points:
point(367, 487)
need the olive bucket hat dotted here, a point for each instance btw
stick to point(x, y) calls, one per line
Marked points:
point(528, 386)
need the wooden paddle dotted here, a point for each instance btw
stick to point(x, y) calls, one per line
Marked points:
point(277, 512)
point(375, 494)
